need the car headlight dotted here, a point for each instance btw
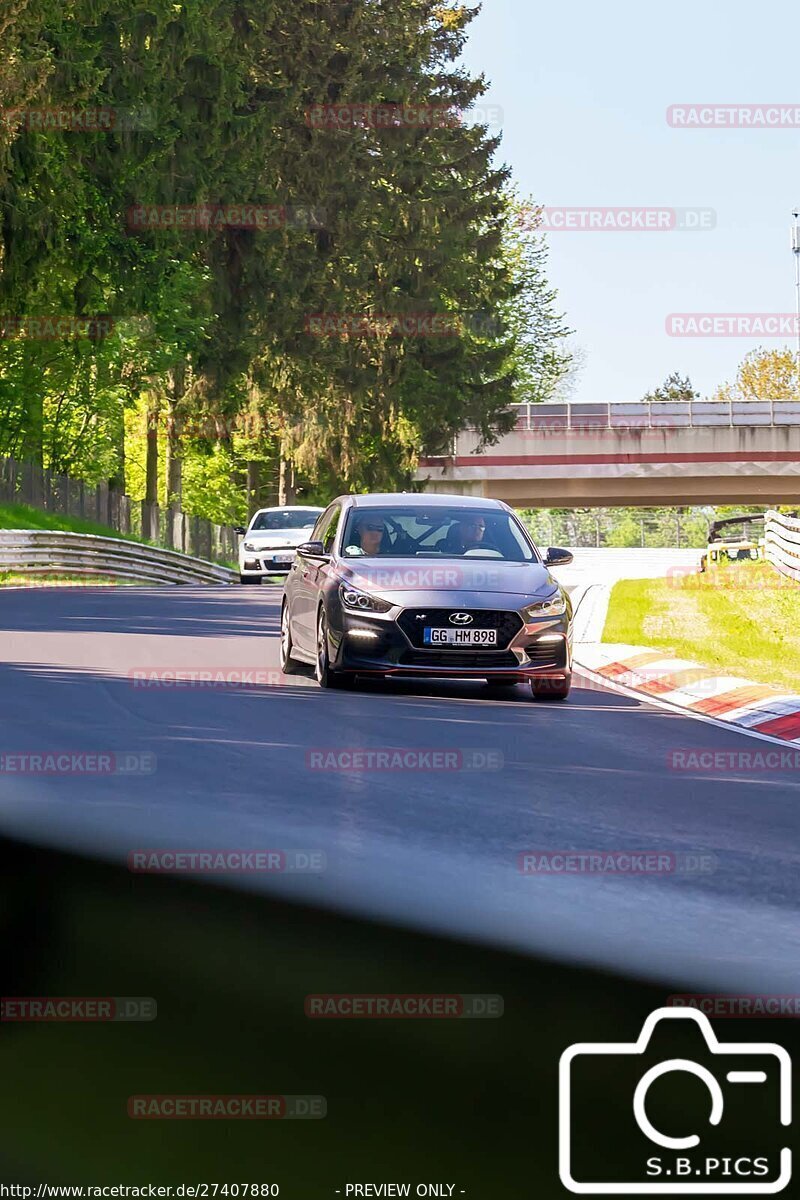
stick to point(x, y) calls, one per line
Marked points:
point(554, 607)
point(357, 601)
point(250, 546)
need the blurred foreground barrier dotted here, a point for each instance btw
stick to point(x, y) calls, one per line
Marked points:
point(216, 988)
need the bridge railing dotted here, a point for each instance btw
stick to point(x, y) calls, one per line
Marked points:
point(647, 414)
point(782, 538)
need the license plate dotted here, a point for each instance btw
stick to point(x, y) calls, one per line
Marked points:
point(283, 558)
point(460, 637)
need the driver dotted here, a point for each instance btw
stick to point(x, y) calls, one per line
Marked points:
point(466, 534)
point(369, 533)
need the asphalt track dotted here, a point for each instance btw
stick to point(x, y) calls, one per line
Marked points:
point(231, 768)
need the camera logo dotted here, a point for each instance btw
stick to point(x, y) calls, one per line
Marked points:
point(737, 1098)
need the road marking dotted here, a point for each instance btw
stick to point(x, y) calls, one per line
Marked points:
point(644, 698)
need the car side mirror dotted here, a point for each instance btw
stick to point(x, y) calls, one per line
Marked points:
point(557, 558)
point(312, 550)
point(240, 529)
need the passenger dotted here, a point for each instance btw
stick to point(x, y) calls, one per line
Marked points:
point(466, 534)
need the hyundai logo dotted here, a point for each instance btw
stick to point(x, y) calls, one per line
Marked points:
point(460, 618)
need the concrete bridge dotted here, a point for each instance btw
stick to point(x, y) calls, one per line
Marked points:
point(584, 455)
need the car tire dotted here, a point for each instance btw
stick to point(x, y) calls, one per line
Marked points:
point(324, 673)
point(287, 663)
point(551, 689)
point(245, 579)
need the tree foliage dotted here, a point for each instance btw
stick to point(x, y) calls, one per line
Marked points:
point(675, 388)
point(763, 375)
point(208, 108)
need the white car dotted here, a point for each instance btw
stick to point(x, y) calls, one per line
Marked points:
point(268, 544)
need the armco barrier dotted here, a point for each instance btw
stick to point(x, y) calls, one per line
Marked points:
point(782, 538)
point(44, 551)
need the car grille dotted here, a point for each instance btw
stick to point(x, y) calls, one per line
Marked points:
point(459, 658)
point(506, 623)
point(547, 655)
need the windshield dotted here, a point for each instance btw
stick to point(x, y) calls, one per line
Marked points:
point(416, 532)
point(286, 518)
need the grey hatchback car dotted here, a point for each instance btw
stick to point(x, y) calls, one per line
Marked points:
point(429, 586)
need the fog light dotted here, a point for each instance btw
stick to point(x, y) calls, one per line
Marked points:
point(362, 633)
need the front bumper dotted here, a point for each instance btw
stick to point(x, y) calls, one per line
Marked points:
point(387, 646)
point(263, 562)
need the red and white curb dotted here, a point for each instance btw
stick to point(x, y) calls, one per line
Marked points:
point(701, 691)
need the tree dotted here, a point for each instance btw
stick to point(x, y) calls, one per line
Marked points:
point(762, 375)
point(411, 221)
point(676, 387)
point(541, 357)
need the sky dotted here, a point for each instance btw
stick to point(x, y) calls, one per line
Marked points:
point(583, 90)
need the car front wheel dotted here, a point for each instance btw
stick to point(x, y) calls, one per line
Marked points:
point(288, 664)
point(551, 689)
point(323, 671)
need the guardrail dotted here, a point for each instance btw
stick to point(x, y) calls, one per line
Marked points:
point(782, 540)
point(49, 552)
point(29, 483)
point(654, 414)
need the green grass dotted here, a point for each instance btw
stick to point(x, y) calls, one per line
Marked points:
point(743, 619)
point(18, 579)
point(22, 516)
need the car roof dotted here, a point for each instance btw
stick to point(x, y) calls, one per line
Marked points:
point(289, 508)
point(421, 500)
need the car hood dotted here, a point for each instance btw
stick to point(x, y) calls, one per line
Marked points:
point(279, 537)
point(472, 582)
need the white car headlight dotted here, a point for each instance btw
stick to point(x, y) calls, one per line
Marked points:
point(556, 606)
point(250, 547)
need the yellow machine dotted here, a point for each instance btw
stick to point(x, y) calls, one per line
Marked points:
point(734, 544)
